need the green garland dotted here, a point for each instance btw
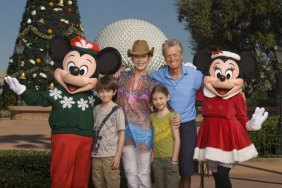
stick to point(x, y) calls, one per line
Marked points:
point(70, 31)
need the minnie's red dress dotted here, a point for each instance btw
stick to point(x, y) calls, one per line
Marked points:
point(222, 136)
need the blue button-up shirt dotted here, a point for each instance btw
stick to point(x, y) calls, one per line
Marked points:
point(182, 91)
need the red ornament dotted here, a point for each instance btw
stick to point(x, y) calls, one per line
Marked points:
point(70, 10)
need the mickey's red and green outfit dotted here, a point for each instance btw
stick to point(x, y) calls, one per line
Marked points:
point(71, 121)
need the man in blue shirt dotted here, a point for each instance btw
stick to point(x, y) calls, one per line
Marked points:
point(182, 82)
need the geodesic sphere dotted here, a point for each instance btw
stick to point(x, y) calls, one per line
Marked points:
point(122, 34)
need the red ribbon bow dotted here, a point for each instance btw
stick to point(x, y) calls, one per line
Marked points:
point(216, 52)
point(83, 43)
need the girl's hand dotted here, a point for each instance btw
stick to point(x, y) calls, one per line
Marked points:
point(152, 156)
point(175, 122)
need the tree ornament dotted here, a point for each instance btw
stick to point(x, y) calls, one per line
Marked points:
point(32, 61)
point(81, 27)
point(43, 75)
point(41, 21)
point(64, 20)
point(51, 4)
point(42, 8)
point(61, 3)
point(22, 77)
point(49, 31)
point(33, 13)
point(57, 9)
point(28, 21)
point(70, 2)
point(34, 75)
point(51, 85)
point(38, 60)
point(70, 10)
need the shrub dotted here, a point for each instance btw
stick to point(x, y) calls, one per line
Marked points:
point(24, 169)
point(4, 114)
point(30, 169)
point(266, 140)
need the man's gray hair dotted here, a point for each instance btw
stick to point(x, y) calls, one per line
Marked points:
point(171, 43)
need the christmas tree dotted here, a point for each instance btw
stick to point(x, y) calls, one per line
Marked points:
point(41, 20)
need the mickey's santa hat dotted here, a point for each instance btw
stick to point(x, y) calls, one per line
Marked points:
point(84, 45)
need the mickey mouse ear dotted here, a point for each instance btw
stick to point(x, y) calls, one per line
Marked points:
point(109, 60)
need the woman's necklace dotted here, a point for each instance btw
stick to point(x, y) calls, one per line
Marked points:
point(135, 81)
point(131, 97)
point(134, 87)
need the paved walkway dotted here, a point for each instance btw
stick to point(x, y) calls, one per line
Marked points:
point(35, 135)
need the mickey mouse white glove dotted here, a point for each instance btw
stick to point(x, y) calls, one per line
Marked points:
point(15, 85)
point(254, 124)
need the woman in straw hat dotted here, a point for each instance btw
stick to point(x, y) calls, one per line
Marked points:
point(134, 91)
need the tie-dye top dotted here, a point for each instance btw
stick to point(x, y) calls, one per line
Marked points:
point(135, 103)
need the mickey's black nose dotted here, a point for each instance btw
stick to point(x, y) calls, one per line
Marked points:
point(74, 70)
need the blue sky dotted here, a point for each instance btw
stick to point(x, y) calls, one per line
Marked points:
point(95, 16)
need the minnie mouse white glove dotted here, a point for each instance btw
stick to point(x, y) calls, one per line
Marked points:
point(188, 64)
point(258, 118)
point(15, 85)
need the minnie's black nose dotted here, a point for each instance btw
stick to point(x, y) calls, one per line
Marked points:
point(222, 78)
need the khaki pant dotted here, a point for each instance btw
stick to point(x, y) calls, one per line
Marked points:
point(103, 176)
point(165, 173)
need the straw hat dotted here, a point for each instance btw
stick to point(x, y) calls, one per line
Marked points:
point(140, 47)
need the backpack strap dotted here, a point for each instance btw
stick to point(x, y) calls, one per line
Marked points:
point(96, 136)
point(115, 108)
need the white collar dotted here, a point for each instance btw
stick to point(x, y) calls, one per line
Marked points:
point(209, 94)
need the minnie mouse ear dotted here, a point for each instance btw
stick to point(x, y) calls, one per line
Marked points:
point(109, 61)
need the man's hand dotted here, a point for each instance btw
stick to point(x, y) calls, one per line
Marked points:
point(15, 85)
point(175, 122)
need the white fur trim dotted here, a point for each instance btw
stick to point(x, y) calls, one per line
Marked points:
point(215, 154)
point(226, 54)
point(233, 94)
point(210, 94)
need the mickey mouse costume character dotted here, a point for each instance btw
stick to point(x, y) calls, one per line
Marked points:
point(79, 64)
point(222, 139)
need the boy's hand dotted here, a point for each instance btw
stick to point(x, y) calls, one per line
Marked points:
point(115, 163)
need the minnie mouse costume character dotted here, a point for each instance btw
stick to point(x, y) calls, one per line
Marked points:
point(222, 140)
point(71, 120)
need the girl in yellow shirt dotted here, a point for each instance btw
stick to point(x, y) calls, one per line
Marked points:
point(166, 140)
